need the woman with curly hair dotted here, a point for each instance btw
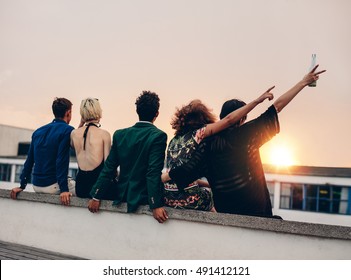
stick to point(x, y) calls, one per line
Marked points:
point(193, 123)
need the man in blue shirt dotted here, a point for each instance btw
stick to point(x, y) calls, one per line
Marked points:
point(49, 154)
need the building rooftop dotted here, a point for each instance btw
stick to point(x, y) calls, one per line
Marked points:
point(16, 127)
point(340, 172)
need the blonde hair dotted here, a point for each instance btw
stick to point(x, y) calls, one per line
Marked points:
point(90, 109)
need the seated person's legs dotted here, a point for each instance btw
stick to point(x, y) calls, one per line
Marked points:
point(52, 189)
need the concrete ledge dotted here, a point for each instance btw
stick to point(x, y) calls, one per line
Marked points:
point(250, 222)
point(39, 220)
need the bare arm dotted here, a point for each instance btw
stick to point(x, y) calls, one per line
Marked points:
point(107, 144)
point(71, 139)
point(285, 99)
point(236, 115)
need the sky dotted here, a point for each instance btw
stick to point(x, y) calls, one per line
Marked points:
point(182, 50)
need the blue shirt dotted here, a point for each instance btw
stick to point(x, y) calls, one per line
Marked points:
point(49, 154)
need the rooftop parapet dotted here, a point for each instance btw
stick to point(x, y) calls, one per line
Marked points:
point(39, 220)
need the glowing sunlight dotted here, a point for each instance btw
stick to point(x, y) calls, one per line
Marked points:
point(281, 156)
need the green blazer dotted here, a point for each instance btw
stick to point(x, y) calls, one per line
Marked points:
point(139, 151)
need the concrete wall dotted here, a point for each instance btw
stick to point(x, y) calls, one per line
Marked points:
point(39, 220)
point(10, 137)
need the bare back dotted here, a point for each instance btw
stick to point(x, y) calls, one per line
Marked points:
point(97, 146)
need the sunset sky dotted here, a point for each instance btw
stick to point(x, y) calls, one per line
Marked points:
point(183, 50)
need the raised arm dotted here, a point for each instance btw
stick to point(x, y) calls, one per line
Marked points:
point(285, 99)
point(236, 115)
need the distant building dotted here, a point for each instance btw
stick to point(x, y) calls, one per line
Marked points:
point(14, 146)
point(311, 194)
point(14, 140)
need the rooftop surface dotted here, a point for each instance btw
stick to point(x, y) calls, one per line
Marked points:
point(11, 251)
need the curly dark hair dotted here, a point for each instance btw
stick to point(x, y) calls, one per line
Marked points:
point(147, 105)
point(60, 106)
point(191, 117)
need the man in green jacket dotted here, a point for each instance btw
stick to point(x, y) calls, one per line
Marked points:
point(139, 151)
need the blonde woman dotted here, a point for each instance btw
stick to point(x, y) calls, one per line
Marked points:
point(92, 145)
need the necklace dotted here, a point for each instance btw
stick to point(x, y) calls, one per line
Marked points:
point(96, 124)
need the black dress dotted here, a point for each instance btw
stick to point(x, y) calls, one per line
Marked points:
point(85, 180)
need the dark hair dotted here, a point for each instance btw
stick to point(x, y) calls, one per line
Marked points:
point(191, 117)
point(230, 106)
point(147, 105)
point(60, 106)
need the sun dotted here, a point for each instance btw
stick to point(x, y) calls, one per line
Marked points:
point(281, 156)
